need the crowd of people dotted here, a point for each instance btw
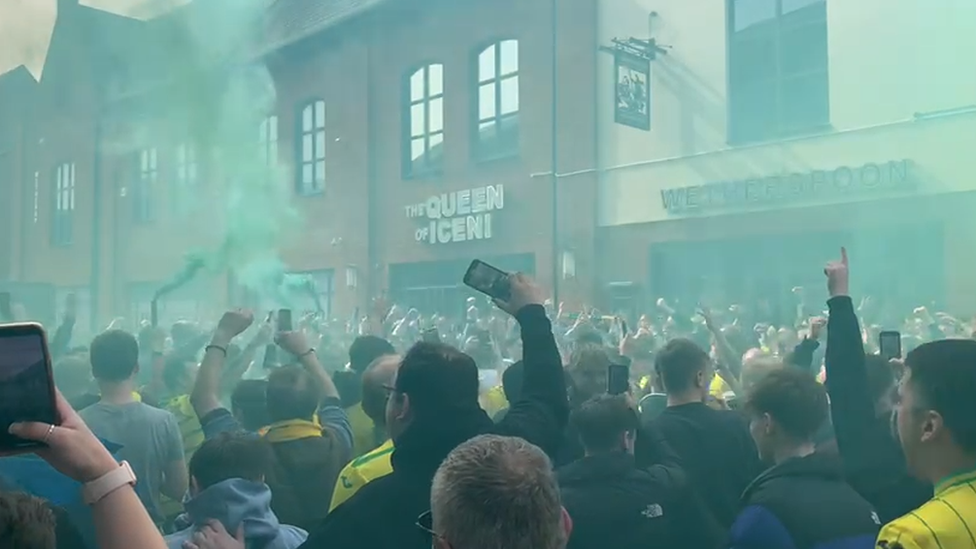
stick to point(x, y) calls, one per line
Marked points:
point(740, 429)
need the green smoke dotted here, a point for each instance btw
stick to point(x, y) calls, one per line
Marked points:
point(226, 97)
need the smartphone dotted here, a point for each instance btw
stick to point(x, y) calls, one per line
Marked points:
point(618, 379)
point(431, 335)
point(6, 307)
point(26, 383)
point(623, 327)
point(889, 343)
point(154, 313)
point(284, 320)
point(491, 281)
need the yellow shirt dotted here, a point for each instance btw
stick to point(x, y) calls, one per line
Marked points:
point(947, 521)
point(493, 400)
point(718, 387)
point(360, 471)
point(363, 439)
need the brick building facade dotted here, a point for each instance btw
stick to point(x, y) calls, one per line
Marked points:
point(379, 106)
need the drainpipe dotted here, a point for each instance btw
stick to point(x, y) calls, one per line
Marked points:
point(554, 159)
point(95, 286)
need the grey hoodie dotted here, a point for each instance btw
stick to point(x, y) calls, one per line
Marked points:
point(235, 501)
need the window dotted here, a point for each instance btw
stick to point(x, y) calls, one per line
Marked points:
point(323, 282)
point(64, 204)
point(311, 149)
point(424, 144)
point(268, 140)
point(146, 183)
point(186, 178)
point(778, 77)
point(498, 100)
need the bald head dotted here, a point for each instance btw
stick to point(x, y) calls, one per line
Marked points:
point(379, 375)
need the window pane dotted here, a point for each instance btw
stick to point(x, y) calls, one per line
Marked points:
point(273, 153)
point(486, 64)
point(754, 108)
point(804, 49)
point(510, 95)
point(435, 79)
point(805, 102)
point(57, 201)
point(71, 199)
point(416, 148)
point(320, 145)
point(509, 59)
point(417, 85)
point(306, 174)
point(436, 122)
point(751, 12)
point(417, 120)
point(320, 172)
point(487, 131)
point(307, 118)
point(144, 160)
point(320, 114)
point(263, 131)
point(307, 147)
point(273, 127)
point(753, 59)
point(436, 145)
point(793, 5)
point(486, 101)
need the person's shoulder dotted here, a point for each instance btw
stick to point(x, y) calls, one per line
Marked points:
point(289, 537)
point(381, 452)
point(905, 532)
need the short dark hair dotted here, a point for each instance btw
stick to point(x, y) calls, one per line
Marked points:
point(231, 455)
point(439, 379)
point(602, 419)
point(793, 398)
point(678, 363)
point(26, 522)
point(943, 376)
point(292, 394)
point(249, 401)
point(174, 371)
point(114, 356)
point(512, 381)
point(350, 387)
point(365, 349)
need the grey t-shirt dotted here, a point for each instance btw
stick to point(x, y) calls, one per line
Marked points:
point(150, 440)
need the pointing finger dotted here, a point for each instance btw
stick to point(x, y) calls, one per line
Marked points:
point(843, 256)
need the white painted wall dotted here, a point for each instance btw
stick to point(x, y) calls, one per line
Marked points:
point(889, 59)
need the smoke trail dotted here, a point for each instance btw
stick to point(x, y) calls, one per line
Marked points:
point(225, 98)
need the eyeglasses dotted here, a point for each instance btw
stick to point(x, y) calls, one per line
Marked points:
point(426, 523)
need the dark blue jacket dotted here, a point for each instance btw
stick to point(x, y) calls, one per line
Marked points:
point(804, 503)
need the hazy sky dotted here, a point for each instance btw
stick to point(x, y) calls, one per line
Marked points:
point(26, 26)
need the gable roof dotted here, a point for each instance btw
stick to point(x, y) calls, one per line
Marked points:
point(290, 21)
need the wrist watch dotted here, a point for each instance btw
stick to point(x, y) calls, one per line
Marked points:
point(92, 492)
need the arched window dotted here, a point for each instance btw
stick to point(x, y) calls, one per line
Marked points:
point(311, 149)
point(498, 100)
point(424, 120)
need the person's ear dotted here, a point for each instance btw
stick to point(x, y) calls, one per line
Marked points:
point(405, 411)
point(567, 523)
point(932, 426)
point(194, 486)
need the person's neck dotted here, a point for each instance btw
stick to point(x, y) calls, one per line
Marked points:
point(950, 463)
point(789, 452)
point(684, 398)
point(116, 392)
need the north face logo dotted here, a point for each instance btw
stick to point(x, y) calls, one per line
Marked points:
point(653, 511)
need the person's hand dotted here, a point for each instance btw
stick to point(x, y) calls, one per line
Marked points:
point(816, 327)
point(264, 335)
point(524, 291)
point(293, 342)
point(233, 323)
point(838, 276)
point(706, 314)
point(71, 448)
point(213, 535)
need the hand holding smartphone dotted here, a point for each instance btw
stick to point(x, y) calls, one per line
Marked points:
point(27, 390)
point(489, 280)
point(618, 379)
point(889, 344)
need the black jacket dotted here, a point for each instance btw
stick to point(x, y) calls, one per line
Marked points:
point(804, 503)
point(715, 449)
point(873, 459)
point(383, 514)
point(614, 504)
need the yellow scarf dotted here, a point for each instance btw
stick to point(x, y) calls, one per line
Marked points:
point(292, 429)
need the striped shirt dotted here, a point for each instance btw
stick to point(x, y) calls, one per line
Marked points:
point(947, 521)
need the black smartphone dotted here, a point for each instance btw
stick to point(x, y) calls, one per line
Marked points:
point(26, 383)
point(6, 307)
point(889, 344)
point(623, 327)
point(154, 313)
point(284, 320)
point(618, 379)
point(491, 281)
